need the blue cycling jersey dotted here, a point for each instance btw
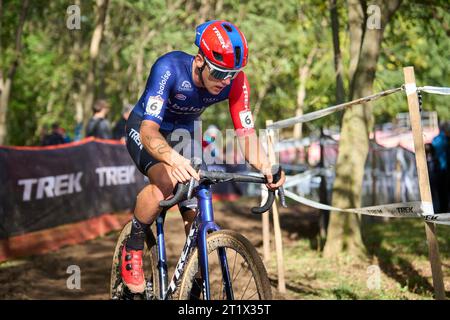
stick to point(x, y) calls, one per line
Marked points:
point(170, 98)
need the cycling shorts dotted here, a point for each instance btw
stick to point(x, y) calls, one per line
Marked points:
point(180, 140)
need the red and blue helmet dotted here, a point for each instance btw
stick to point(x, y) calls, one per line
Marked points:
point(222, 43)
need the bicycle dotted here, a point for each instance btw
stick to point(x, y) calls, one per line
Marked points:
point(199, 274)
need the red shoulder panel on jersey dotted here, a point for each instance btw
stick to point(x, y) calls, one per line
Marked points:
point(239, 102)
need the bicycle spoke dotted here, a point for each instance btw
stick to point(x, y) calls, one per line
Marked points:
point(234, 263)
point(249, 279)
point(222, 288)
point(243, 271)
point(256, 292)
point(237, 274)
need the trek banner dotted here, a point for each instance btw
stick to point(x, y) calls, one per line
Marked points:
point(44, 187)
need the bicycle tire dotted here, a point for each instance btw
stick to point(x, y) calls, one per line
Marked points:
point(117, 289)
point(234, 241)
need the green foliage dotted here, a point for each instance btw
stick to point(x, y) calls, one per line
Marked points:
point(416, 37)
point(55, 60)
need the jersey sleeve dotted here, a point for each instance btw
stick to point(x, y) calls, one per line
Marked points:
point(157, 90)
point(238, 99)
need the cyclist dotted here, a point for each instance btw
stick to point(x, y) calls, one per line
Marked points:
point(178, 90)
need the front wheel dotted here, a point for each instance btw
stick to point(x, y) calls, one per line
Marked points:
point(249, 280)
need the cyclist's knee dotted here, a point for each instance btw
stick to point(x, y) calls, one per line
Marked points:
point(150, 194)
point(159, 176)
point(154, 193)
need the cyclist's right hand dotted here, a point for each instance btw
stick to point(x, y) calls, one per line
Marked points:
point(182, 170)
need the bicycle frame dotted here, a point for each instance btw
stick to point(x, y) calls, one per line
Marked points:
point(203, 224)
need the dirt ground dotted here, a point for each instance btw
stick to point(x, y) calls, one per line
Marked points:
point(45, 276)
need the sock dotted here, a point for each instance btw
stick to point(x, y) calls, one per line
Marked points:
point(137, 235)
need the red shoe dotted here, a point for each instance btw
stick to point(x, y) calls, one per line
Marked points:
point(131, 270)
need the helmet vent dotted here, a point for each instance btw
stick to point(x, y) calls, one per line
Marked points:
point(217, 56)
point(237, 50)
point(227, 27)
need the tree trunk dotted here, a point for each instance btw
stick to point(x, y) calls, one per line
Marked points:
point(339, 69)
point(5, 90)
point(344, 233)
point(303, 73)
point(102, 8)
point(356, 30)
point(7, 79)
point(259, 99)
point(1, 25)
point(340, 94)
point(219, 7)
point(265, 86)
point(147, 36)
point(205, 11)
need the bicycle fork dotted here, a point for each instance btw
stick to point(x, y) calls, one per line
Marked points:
point(207, 224)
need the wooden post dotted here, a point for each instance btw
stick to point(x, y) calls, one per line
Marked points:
point(424, 182)
point(323, 194)
point(276, 219)
point(265, 226)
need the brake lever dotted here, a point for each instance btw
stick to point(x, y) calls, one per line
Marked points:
point(282, 197)
point(190, 188)
point(196, 163)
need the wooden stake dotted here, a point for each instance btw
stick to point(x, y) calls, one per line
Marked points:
point(424, 182)
point(276, 219)
point(265, 226)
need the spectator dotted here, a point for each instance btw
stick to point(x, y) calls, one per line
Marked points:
point(98, 126)
point(119, 132)
point(433, 173)
point(43, 134)
point(65, 136)
point(54, 137)
point(441, 147)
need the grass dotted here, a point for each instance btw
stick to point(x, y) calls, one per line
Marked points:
point(396, 267)
point(12, 263)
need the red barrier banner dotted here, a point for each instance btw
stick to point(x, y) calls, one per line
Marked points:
point(44, 188)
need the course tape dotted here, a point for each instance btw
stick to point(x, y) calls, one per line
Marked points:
point(435, 90)
point(409, 89)
point(324, 112)
point(414, 209)
point(294, 180)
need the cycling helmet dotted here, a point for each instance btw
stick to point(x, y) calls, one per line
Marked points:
point(223, 44)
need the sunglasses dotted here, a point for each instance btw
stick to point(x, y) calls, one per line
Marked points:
point(221, 74)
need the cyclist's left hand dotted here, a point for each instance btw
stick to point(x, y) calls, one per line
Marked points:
point(268, 174)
